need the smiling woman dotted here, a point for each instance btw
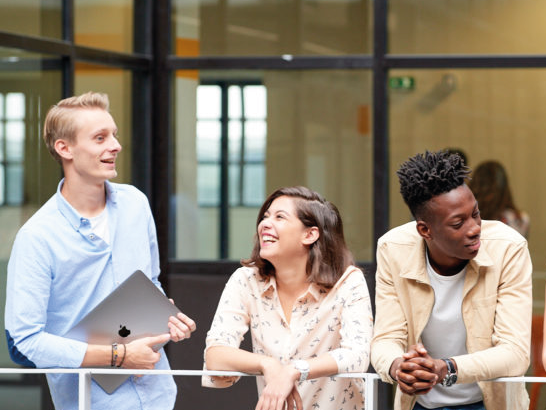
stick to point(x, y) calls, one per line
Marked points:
point(296, 293)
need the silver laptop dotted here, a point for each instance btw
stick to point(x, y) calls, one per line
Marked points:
point(135, 309)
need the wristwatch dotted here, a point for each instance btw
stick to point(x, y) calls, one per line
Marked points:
point(451, 376)
point(302, 366)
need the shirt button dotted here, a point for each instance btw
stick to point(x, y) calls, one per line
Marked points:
point(91, 236)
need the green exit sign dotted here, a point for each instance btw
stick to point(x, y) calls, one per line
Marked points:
point(402, 83)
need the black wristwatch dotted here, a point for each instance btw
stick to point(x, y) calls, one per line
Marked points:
point(451, 376)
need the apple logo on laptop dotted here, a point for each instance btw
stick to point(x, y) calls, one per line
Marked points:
point(123, 331)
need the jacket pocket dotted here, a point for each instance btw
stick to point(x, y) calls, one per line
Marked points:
point(483, 316)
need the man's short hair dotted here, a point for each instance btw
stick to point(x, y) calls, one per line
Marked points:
point(59, 122)
point(427, 175)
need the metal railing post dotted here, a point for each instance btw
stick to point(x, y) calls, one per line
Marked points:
point(371, 393)
point(84, 390)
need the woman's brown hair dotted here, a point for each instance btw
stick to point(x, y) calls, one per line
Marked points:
point(490, 186)
point(329, 256)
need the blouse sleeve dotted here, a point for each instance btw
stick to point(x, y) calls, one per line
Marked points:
point(230, 323)
point(353, 355)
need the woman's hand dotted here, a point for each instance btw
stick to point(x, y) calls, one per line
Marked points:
point(280, 387)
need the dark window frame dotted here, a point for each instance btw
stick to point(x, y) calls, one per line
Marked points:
point(153, 65)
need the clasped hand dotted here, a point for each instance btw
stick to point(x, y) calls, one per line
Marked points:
point(417, 372)
point(280, 388)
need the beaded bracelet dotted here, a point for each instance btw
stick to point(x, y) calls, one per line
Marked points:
point(124, 353)
point(114, 354)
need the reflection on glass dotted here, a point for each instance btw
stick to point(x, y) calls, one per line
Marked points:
point(460, 27)
point(294, 128)
point(117, 83)
point(28, 174)
point(235, 185)
point(15, 106)
point(235, 132)
point(254, 187)
point(255, 101)
point(209, 102)
point(257, 27)
point(2, 184)
point(14, 192)
point(256, 132)
point(208, 180)
point(32, 17)
point(234, 98)
point(208, 140)
point(104, 24)
point(15, 139)
point(2, 117)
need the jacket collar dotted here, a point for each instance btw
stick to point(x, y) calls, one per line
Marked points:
point(417, 268)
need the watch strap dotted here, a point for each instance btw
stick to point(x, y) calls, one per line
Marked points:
point(451, 375)
point(302, 366)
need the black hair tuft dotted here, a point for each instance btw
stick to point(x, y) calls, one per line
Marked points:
point(427, 175)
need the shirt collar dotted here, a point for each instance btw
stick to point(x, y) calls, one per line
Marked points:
point(269, 285)
point(70, 213)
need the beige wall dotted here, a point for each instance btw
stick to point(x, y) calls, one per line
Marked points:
point(314, 139)
point(455, 26)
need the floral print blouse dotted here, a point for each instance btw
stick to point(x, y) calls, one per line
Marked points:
point(338, 322)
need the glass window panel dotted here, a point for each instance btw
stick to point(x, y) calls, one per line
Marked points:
point(256, 27)
point(117, 84)
point(327, 146)
point(32, 17)
point(255, 147)
point(15, 140)
point(235, 135)
point(15, 106)
point(234, 102)
point(2, 184)
point(255, 137)
point(2, 146)
point(31, 176)
point(208, 183)
point(490, 114)
point(14, 184)
point(208, 140)
point(255, 101)
point(234, 185)
point(466, 27)
point(104, 24)
point(209, 99)
point(254, 185)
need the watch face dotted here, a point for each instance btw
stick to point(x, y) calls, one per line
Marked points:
point(450, 380)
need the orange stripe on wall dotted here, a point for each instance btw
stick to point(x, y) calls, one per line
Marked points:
point(187, 47)
point(109, 41)
point(363, 118)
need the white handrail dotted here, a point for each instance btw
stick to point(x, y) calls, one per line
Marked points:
point(84, 391)
point(85, 374)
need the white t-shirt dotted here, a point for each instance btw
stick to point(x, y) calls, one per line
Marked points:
point(100, 227)
point(444, 336)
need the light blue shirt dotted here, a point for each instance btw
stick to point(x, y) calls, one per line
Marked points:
point(58, 271)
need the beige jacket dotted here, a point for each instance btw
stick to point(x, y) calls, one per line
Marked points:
point(497, 309)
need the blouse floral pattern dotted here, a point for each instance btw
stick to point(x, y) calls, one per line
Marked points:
point(338, 322)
